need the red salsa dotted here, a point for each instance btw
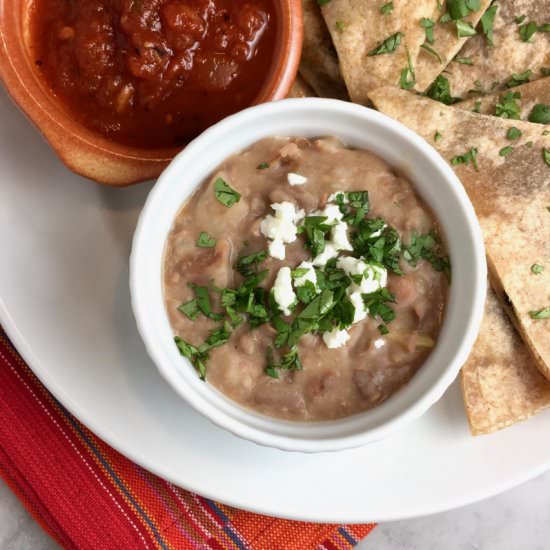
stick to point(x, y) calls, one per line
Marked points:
point(154, 73)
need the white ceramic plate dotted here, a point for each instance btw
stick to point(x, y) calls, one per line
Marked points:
point(64, 301)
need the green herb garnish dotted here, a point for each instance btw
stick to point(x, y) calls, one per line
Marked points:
point(407, 78)
point(546, 156)
point(540, 114)
point(431, 51)
point(341, 26)
point(386, 8)
point(428, 26)
point(190, 309)
point(225, 194)
point(508, 107)
point(427, 247)
point(513, 133)
point(389, 45)
point(537, 269)
point(527, 31)
point(440, 90)
point(540, 313)
point(247, 265)
point(487, 23)
point(519, 78)
point(463, 60)
point(505, 151)
point(464, 29)
point(466, 158)
point(262, 166)
point(205, 240)
point(437, 137)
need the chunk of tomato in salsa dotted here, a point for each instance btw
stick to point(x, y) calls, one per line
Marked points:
point(154, 73)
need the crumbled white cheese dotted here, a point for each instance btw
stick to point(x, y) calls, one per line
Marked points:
point(379, 343)
point(282, 290)
point(357, 301)
point(335, 338)
point(339, 237)
point(329, 252)
point(374, 277)
point(281, 228)
point(296, 179)
point(276, 249)
point(331, 212)
point(310, 275)
point(377, 233)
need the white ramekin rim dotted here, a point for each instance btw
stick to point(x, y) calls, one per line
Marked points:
point(359, 126)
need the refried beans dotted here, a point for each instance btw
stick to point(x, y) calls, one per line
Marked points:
point(305, 279)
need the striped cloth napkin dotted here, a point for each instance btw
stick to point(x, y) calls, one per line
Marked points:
point(88, 496)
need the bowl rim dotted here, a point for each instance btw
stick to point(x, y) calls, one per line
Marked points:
point(30, 93)
point(230, 415)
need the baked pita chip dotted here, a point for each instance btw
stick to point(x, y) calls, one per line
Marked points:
point(494, 66)
point(500, 382)
point(433, 58)
point(510, 190)
point(358, 27)
point(530, 95)
point(319, 63)
point(301, 88)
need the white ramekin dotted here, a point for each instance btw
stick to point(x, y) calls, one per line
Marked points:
point(359, 127)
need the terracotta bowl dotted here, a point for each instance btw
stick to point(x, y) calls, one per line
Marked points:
point(88, 153)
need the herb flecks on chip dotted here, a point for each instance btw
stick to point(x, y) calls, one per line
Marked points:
point(440, 90)
point(538, 314)
point(389, 45)
point(519, 78)
point(467, 158)
point(508, 106)
point(540, 114)
point(205, 240)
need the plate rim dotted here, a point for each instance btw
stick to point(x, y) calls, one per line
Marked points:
point(24, 349)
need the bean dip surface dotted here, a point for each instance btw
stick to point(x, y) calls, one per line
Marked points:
point(305, 279)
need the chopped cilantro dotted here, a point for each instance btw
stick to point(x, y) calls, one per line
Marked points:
point(205, 240)
point(487, 23)
point(540, 114)
point(466, 158)
point(520, 19)
point(537, 269)
point(407, 79)
point(437, 137)
point(527, 30)
point(463, 60)
point(519, 78)
point(190, 309)
point(477, 107)
point(428, 26)
point(386, 8)
point(262, 166)
point(464, 29)
point(427, 247)
point(543, 313)
point(505, 151)
point(513, 133)
point(383, 329)
point(508, 107)
point(315, 228)
point(289, 361)
point(225, 194)
point(389, 45)
point(546, 156)
point(340, 25)
point(431, 51)
point(440, 90)
point(192, 353)
point(247, 265)
point(203, 301)
point(377, 304)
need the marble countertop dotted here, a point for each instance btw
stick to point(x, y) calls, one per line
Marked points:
point(493, 524)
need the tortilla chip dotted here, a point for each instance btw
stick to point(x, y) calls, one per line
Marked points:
point(446, 44)
point(500, 382)
point(301, 88)
point(358, 27)
point(530, 94)
point(319, 64)
point(493, 66)
point(511, 195)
